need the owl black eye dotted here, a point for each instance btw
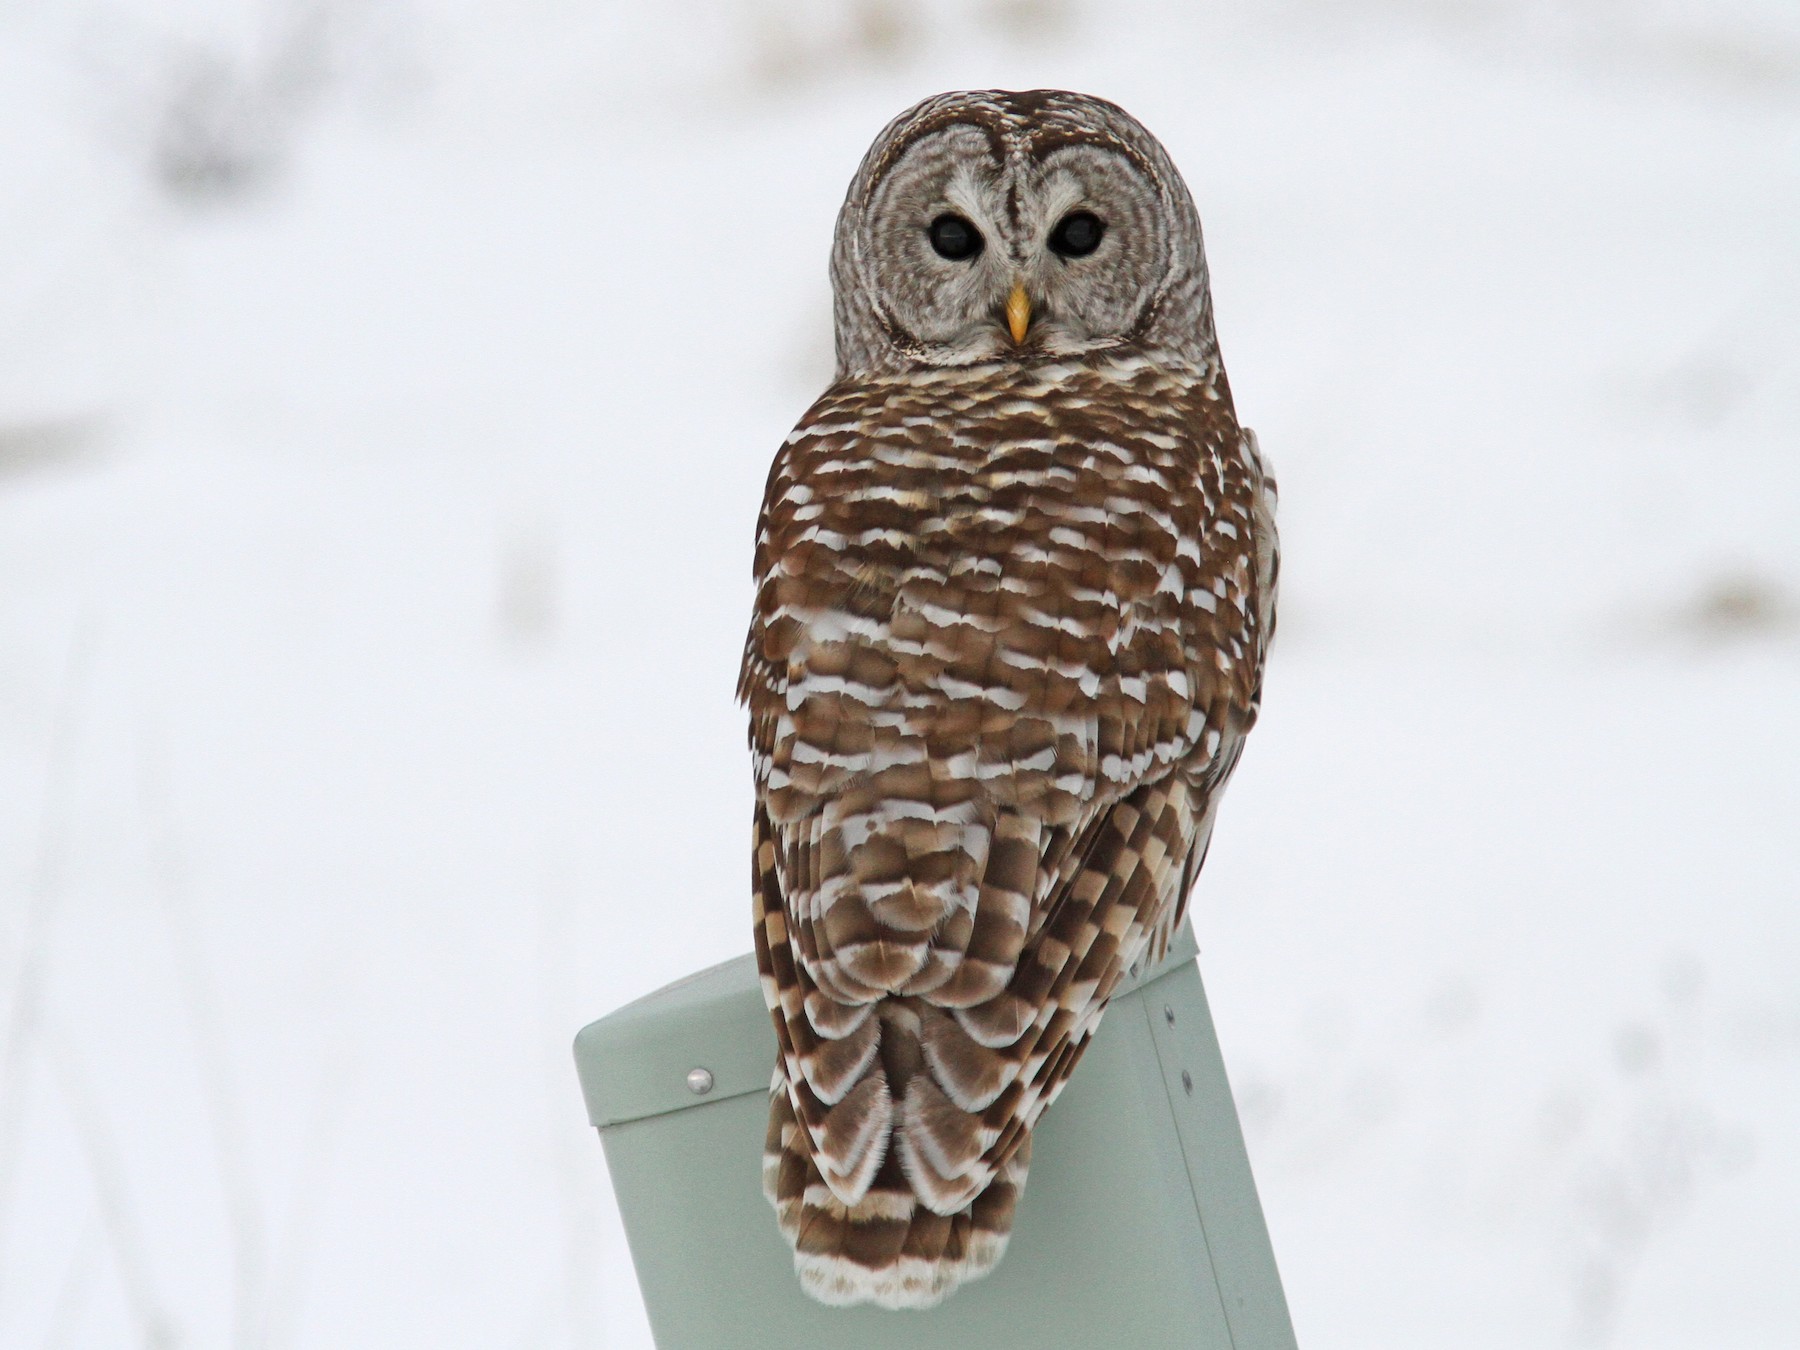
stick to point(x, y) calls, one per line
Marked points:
point(954, 238)
point(1077, 234)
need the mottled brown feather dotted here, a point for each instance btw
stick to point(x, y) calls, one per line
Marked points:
point(1000, 665)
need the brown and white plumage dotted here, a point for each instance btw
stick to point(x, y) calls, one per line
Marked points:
point(1014, 593)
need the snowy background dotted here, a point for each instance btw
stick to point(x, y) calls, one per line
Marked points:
point(386, 392)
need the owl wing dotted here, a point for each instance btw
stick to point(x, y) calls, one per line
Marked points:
point(1169, 595)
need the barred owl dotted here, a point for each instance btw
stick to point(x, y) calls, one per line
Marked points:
point(1015, 580)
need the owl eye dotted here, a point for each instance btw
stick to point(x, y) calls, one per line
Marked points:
point(1077, 234)
point(954, 238)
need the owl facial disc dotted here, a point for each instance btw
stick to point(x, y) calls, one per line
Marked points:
point(996, 226)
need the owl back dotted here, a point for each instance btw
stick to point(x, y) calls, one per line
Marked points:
point(1007, 641)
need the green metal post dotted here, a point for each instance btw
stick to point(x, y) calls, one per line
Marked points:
point(1139, 1227)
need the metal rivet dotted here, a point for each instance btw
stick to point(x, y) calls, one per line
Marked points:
point(1187, 1082)
point(1168, 1014)
point(700, 1081)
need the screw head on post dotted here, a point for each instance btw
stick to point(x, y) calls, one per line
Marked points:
point(700, 1081)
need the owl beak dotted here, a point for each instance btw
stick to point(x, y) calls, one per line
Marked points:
point(1018, 311)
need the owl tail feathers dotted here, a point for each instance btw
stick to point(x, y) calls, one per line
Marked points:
point(887, 1248)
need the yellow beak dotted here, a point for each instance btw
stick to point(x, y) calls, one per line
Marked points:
point(1018, 311)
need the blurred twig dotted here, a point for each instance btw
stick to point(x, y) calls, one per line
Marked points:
point(225, 125)
point(215, 119)
point(72, 1297)
point(557, 947)
point(92, 1131)
point(26, 448)
point(312, 1180)
point(42, 899)
point(206, 1018)
point(792, 42)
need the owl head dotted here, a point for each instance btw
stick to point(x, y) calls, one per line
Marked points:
point(995, 226)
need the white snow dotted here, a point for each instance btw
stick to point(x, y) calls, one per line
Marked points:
point(386, 394)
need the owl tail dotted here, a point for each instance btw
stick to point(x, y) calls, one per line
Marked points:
point(887, 1248)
